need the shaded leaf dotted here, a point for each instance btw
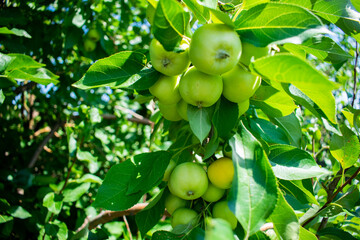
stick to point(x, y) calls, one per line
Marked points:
point(268, 131)
point(74, 191)
point(19, 212)
point(112, 71)
point(323, 48)
point(149, 171)
point(291, 163)
point(253, 194)
point(345, 148)
point(170, 23)
point(262, 24)
point(53, 202)
point(286, 224)
point(200, 121)
point(225, 117)
point(300, 190)
point(14, 31)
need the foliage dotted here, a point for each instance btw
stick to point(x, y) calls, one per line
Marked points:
point(83, 143)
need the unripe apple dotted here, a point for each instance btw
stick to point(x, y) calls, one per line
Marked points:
point(173, 202)
point(243, 106)
point(89, 45)
point(93, 35)
point(200, 89)
point(188, 181)
point(182, 109)
point(213, 193)
point(169, 111)
point(169, 169)
point(239, 84)
point(169, 63)
point(249, 51)
point(222, 210)
point(166, 89)
point(183, 216)
point(215, 48)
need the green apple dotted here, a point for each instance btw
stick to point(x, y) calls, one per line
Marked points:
point(215, 48)
point(213, 193)
point(184, 216)
point(93, 35)
point(169, 169)
point(89, 45)
point(200, 89)
point(239, 84)
point(182, 109)
point(188, 181)
point(166, 89)
point(173, 202)
point(243, 106)
point(166, 62)
point(222, 210)
point(249, 51)
point(169, 111)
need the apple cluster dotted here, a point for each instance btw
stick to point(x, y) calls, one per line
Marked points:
point(92, 37)
point(190, 181)
point(214, 63)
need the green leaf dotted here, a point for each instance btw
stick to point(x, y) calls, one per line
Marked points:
point(57, 230)
point(142, 80)
point(14, 31)
point(53, 202)
point(200, 121)
point(19, 212)
point(151, 214)
point(306, 235)
point(287, 68)
point(201, 13)
point(165, 235)
point(21, 61)
point(247, 4)
point(341, 13)
point(268, 131)
point(90, 178)
point(301, 190)
point(259, 235)
point(112, 71)
point(324, 48)
point(345, 148)
point(217, 228)
point(170, 24)
point(225, 117)
point(150, 169)
point(349, 199)
point(39, 75)
point(212, 146)
point(74, 191)
point(5, 61)
point(253, 194)
point(95, 116)
point(222, 16)
point(262, 24)
point(85, 156)
point(273, 102)
point(336, 232)
point(4, 218)
point(112, 194)
point(2, 97)
point(286, 223)
point(291, 125)
point(291, 163)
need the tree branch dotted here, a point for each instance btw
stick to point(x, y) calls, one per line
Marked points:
point(331, 196)
point(355, 73)
point(43, 143)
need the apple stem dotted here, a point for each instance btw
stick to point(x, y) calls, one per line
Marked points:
point(221, 54)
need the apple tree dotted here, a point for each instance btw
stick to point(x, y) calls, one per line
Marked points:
point(252, 122)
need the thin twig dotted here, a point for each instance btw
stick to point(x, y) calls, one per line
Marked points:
point(321, 150)
point(43, 143)
point(355, 73)
point(331, 197)
point(127, 226)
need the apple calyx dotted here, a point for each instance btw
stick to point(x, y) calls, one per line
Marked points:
point(190, 193)
point(165, 62)
point(221, 54)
